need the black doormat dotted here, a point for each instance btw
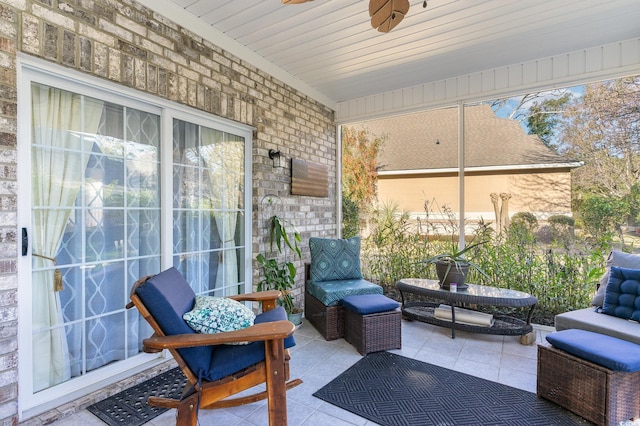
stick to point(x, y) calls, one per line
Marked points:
point(130, 408)
point(390, 389)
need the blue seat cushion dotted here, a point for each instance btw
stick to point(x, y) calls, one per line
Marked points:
point(229, 359)
point(334, 259)
point(369, 304)
point(609, 352)
point(622, 295)
point(277, 314)
point(331, 292)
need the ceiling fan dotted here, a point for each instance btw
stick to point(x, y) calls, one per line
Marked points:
point(385, 14)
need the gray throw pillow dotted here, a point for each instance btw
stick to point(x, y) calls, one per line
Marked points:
point(616, 258)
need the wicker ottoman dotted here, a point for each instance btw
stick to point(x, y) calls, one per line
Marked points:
point(594, 392)
point(328, 320)
point(321, 302)
point(372, 323)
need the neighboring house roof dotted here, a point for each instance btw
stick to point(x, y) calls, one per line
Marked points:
point(429, 141)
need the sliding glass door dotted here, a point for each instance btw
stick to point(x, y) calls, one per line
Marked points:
point(119, 189)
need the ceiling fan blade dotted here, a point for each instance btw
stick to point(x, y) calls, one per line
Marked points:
point(386, 14)
point(294, 1)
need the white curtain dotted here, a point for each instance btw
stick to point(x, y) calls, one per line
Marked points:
point(191, 234)
point(223, 155)
point(60, 121)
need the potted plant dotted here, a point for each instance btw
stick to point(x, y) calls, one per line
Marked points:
point(453, 267)
point(280, 274)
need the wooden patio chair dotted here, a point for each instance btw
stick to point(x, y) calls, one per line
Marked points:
point(215, 368)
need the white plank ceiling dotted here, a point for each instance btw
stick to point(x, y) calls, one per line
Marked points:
point(331, 46)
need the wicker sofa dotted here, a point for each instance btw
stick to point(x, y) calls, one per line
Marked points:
point(591, 364)
point(593, 319)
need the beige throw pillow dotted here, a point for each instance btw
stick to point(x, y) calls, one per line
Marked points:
point(616, 258)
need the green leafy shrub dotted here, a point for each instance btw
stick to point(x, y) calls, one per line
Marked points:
point(393, 248)
point(526, 219)
point(562, 227)
point(561, 220)
point(601, 214)
point(562, 276)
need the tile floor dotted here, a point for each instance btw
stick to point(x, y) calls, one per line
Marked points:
point(498, 358)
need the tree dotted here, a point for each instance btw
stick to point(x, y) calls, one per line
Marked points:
point(359, 165)
point(544, 116)
point(539, 113)
point(359, 174)
point(350, 218)
point(602, 129)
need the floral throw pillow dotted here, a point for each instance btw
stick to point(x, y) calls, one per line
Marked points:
point(218, 314)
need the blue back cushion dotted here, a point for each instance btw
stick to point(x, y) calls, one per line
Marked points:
point(168, 296)
point(335, 259)
point(622, 295)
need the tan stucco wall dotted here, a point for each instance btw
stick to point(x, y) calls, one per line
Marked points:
point(539, 193)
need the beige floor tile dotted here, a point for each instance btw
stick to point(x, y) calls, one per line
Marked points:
point(317, 362)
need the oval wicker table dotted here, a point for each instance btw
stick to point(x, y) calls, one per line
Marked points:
point(474, 295)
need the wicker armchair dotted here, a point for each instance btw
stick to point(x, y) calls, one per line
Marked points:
point(334, 273)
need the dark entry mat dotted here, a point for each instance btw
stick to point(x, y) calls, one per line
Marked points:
point(392, 390)
point(129, 407)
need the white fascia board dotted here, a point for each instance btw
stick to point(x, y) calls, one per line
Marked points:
point(518, 167)
point(192, 23)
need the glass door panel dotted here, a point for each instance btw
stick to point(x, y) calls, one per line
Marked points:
point(96, 229)
point(208, 201)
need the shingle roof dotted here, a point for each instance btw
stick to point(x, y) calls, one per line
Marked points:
point(429, 140)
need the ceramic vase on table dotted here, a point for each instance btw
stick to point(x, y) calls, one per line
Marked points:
point(448, 273)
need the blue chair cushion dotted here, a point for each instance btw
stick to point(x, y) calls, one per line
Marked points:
point(331, 292)
point(369, 304)
point(229, 359)
point(622, 295)
point(168, 296)
point(609, 352)
point(335, 259)
point(277, 314)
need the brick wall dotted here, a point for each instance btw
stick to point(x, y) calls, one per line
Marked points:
point(126, 43)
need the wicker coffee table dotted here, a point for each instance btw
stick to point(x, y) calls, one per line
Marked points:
point(473, 295)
